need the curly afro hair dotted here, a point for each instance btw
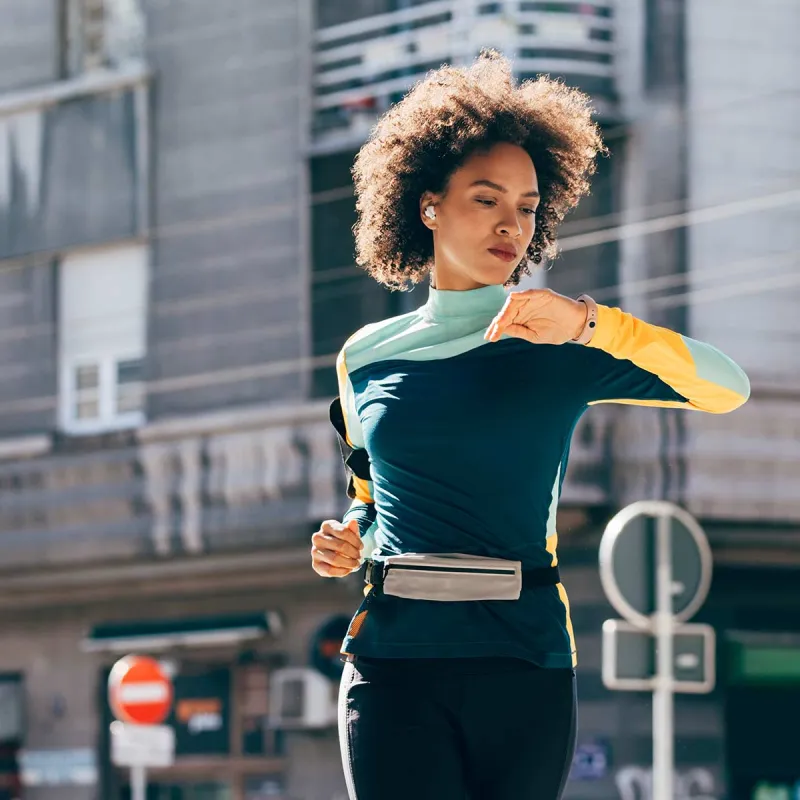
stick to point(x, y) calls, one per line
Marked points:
point(449, 115)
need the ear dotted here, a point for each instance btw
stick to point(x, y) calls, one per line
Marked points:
point(427, 200)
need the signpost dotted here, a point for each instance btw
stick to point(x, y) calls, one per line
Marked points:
point(74, 767)
point(629, 658)
point(655, 567)
point(140, 696)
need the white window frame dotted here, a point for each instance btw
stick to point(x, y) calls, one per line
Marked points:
point(108, 419)
point(98, 347)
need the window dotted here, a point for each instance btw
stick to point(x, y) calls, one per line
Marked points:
point(12, 713)
point(328, 14)
point(257, 738)
point(588, 269)
point(343, 297)
point(12, 732)
point(87, 391)
point(129, 386)
point(102, 321)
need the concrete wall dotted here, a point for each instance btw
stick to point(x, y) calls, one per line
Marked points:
point(229, 264)
point(28, 43)
point(744, 136)
point(28, 348)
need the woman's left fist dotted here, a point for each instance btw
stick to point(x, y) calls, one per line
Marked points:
point(540, 316)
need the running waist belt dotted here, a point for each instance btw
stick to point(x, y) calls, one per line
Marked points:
point(455, 577)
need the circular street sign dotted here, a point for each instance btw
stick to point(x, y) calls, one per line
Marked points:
point(629, 562)
point(139, 691)
point(326, 645)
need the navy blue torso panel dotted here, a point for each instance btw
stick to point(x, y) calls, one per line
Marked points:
point(483, 433)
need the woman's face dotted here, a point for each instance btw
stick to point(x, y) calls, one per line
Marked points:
point(485, 219)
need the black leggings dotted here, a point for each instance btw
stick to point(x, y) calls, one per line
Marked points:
point(456, 729)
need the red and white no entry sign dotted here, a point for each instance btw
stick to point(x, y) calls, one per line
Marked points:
point(139, 691)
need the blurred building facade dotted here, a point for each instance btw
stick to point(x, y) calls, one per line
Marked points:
point(176, 278)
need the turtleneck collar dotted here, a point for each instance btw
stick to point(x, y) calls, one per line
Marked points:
point(448, 304)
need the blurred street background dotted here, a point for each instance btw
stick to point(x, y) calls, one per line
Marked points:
point(176, 278)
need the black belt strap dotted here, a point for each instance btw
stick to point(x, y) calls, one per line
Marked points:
point(544, 576)
point(531, 578)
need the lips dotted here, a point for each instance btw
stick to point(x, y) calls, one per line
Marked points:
point(503, 254)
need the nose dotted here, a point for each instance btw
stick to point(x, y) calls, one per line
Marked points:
point(508, 228)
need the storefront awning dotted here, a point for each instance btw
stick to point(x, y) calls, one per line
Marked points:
point(164, 634)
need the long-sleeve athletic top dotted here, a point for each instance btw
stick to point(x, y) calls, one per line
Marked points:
point(468, 443)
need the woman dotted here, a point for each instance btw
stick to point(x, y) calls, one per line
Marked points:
point(455, 423)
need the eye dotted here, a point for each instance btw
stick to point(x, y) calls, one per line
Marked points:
point(483, 201)
point(529, 211)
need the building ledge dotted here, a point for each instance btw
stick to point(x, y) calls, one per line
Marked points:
point(266, 569)
point(95, 82)
point(233, 419)
point(25, 447)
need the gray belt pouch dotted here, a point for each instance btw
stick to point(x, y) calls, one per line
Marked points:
point(451, 577)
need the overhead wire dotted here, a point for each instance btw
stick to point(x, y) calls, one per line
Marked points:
point(288, 287)
point(300, 364)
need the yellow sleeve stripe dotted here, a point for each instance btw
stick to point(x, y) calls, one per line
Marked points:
point(675, 359)
point(651, 403)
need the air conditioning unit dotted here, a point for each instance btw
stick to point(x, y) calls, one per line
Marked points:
point(302, 698)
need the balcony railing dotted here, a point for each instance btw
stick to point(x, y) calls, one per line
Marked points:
point(257, 478)
point(74, 163)
point(742, 467)
point(201, 485)
point(363, 66)
point(211, 484)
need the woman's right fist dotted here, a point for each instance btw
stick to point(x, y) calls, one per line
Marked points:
point(336, 549)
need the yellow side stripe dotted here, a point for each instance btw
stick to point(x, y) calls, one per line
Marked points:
point(343, 379)
point(562, 593)
point(363, 493)
point(361, 486)
point(552, 548)
point(551, 543)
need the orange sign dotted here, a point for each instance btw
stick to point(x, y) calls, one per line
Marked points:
point(139, 691)
point(189, 708)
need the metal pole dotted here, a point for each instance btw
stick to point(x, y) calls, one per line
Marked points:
point(138, 783)
point(663, 722)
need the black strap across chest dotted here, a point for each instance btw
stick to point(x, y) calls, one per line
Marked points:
point(356, 460)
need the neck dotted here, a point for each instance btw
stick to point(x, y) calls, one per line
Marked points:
point(480, 304)
point(451, 280)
